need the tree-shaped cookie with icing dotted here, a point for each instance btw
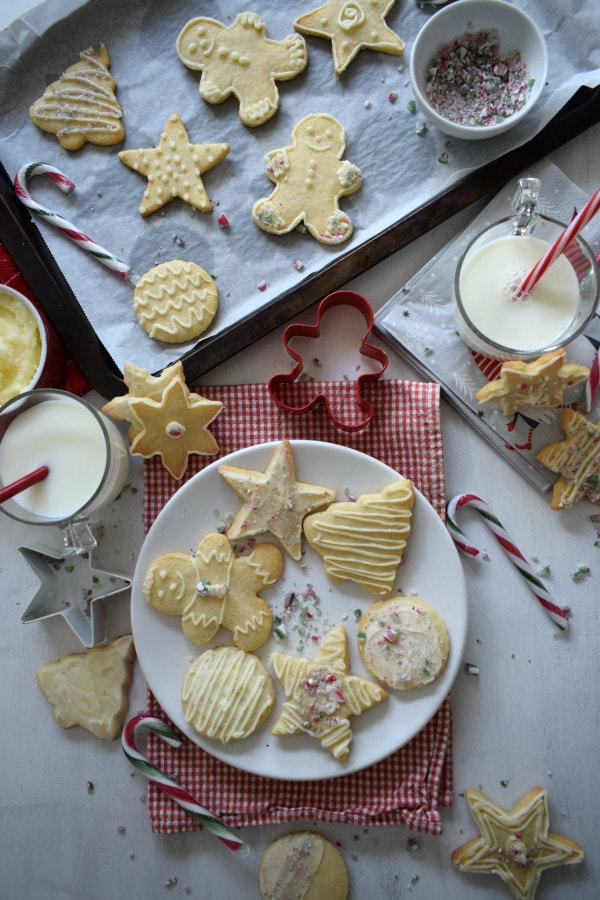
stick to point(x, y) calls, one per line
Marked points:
point(240, 60)
point(215, 589)
point(81, 106)
point(310, 177)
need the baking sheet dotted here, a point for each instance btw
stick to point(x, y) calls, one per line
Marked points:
point(400, 168)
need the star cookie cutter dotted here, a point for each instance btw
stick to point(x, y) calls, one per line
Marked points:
point(73, 588)
point(279, 384)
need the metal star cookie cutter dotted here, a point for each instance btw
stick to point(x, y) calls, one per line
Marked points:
point(73, 588)
point(280, 382)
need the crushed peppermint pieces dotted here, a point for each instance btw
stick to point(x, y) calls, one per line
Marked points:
point(471, 669)
point(262, 286)
point(580, 573)
point(412, 106)
point(469, 83)
point(298, 265)
point(392, 96)
point(223, 221)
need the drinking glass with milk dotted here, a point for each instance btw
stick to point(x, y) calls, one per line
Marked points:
point(86, 456)
point(491, 317)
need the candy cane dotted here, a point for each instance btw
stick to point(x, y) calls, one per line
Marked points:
point(558, 614)
point(590, 388)
point(170, 787)
point(560, 244)
point(66, 186)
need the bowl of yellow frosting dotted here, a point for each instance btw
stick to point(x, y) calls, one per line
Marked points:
point(23, 344)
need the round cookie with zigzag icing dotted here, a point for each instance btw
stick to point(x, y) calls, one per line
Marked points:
point(175, 301)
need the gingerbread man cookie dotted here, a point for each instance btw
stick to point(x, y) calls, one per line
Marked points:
point(310, 177)
point(215, 588)
point(240, 60)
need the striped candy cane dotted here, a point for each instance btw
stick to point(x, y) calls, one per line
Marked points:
point(590, 388)
point(170, 787)
point(558, 614)
point(66, 186)
point(560, 244)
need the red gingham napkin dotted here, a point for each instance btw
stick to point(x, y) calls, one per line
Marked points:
point(410, 785)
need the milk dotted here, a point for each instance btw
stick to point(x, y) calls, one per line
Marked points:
point(488, 280)
point(64, 435)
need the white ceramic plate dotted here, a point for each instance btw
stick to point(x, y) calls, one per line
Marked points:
point(431, 569)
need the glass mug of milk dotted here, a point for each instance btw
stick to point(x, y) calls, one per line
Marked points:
point(86, 455)
point(490, 318)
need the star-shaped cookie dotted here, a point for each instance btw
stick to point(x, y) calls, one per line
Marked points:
point(140, 383)
point(352, 25)
point(174, 168)
point(514, 844)
point(322, 695)
point(577, 459)
point(174, 426)
point(539, 383)
point(274, 501)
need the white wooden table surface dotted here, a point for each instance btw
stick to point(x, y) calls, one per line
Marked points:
point(530, 718)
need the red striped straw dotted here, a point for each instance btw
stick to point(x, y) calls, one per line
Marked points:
point(560, 244)
point(66, 186)
point(21, 484)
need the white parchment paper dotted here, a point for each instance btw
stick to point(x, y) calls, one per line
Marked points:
point(400, 168)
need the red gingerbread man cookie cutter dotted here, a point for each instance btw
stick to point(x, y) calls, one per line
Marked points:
point(278, 383)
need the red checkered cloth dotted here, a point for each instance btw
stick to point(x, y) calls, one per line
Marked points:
point(407, 787)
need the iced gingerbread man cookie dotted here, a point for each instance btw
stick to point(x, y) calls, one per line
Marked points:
point(310, 177)
point(215, 588)
point(240, 60)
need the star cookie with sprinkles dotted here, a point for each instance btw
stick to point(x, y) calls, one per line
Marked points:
point(576, 459)
point(322, 695)
point(140, 383)
point(274, 501)
point(351, 26)
point(174, 168)
point(539, 383)
point(514, 844)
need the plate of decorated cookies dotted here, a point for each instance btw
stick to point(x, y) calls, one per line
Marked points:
point(299, 610)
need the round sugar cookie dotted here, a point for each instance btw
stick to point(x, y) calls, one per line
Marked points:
point(302, 864)
point(227, 694)
point(175, 301)
point(403, 642)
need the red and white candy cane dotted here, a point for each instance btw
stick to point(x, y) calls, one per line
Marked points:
point(66, 186)
point(170, 787)
point(560, 244)
point(557, 613)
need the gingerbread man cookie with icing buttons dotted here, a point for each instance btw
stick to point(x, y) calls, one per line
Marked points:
point(240, 60)
point(310, 177)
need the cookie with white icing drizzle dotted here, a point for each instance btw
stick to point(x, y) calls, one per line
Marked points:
point(303, 864)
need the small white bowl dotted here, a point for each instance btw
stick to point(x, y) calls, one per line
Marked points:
point(515, 30)
point(39, 376)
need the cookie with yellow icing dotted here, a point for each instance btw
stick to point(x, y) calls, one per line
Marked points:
point(227, 694)
point(403, 642)
point(576, 459)
point(364, 541)
point(274, 501)
point(81, 106)
point(515, 844)
point(539, 383)
point(303, 864)
point(322, 695)
point(174, 168)
point(215, 589)
point(175, 301)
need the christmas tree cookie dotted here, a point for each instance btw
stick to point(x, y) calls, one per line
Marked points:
point(81, 106)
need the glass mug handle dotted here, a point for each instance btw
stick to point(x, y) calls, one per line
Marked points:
point(77, 537)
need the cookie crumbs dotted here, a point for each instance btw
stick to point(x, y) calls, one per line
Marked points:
point(121, 829)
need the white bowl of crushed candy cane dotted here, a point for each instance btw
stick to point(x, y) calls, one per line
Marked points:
point(478, 67)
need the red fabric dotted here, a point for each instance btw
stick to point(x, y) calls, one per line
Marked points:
point(71, 377)
point(410, 785)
